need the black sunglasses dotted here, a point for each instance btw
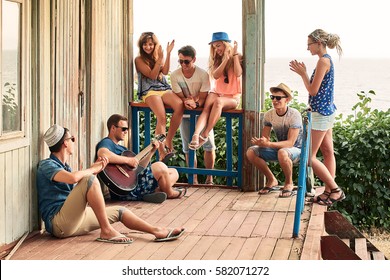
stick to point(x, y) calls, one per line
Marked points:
point(185, 61)
point(72, 138)
point(226, 80)
point(277, 97)
point(122, 127)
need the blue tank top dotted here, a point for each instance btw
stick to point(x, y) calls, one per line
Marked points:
point(323, 102)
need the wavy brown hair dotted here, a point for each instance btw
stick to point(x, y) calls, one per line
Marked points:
point(150, 60)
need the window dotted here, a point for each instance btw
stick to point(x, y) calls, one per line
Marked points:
point(11, 121)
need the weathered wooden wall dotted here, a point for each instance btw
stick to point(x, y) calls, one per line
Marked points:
point(15, 156)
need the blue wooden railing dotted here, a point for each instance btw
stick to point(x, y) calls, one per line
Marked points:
point(229, 172)
point(303, 173)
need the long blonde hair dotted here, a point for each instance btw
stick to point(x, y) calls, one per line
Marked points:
point(215, 60)
point(150, 59)
point(327, 40)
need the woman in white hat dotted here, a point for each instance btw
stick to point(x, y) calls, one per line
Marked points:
point(321, 100)
point(225, 94)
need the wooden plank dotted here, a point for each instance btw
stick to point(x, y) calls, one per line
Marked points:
point(249, 248)
point(233, 249)
point(246, 202)
point(265, 249)
point(282, 249)
point(167, 249)
point(248, 224)
point(276, 226)
point(217, 248)
point(213, 215)
point(361, 248)
point(235, 223)
point(201, 247)
point(311, 248)
point(218, 225)
point(263, 224)
point(184, 247)
point(378, 256)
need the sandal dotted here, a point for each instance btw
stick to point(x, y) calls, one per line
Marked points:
point(203, 140)
point(169, 153)
point(194, 143)
point(317, 199)
point(331, 201)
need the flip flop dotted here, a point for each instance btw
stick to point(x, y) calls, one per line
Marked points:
point(269, 189)
point(115, 240)
point(290, 193)
point(182, 193)
point(170, 236)
point(157, 197)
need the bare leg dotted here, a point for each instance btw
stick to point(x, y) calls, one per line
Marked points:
point(166, 178)
point(221, 103)
point(327, 151)
point(202, 119)
point(287, 166)
point(131, 221)
point(263, 167)
point(209, 160)
point(156, 104)
point(195, 165)
point(318, 167)
point(176, 103)
point(96, 201)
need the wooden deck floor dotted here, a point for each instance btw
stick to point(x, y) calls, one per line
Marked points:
point(221, 224)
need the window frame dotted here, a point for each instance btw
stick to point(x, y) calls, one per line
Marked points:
point(17, 138)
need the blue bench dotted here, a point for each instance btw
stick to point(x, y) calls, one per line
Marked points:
point(230, 173)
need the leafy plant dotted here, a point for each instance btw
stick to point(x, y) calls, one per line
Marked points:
point(362, 146)
point(10, 107)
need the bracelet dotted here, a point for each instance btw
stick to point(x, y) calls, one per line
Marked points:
point(235, 54)
point(197, 104)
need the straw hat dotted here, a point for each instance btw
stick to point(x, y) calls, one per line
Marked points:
point(284, 88)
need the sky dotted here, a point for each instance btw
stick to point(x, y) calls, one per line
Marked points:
point(363, 26)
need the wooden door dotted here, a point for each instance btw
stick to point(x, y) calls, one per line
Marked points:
point(68, 66)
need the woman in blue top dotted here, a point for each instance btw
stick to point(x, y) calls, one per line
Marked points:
point(155, 91)
point(321, 100)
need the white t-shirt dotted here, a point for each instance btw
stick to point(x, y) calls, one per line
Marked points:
point(199, 82)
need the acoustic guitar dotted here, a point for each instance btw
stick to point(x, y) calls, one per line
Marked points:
point(121, 179)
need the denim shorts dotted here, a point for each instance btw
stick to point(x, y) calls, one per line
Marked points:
point(185, 137)
point(321, 122)
point(271, 154)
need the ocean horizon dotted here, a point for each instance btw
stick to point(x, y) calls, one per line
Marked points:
point(352, 75)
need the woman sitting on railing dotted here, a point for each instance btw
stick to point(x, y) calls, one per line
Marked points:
point(226, 70)
point(155, 91)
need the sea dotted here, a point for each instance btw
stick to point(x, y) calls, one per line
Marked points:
point(352, 76)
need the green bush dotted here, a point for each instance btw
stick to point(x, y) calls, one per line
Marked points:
point(362, 146)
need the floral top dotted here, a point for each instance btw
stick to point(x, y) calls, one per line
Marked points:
point(323, 102)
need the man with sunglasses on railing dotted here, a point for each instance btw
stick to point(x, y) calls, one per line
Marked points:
point(154, 181)
point(286, 122)
point(192, 84)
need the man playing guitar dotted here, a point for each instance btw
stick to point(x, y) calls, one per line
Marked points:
point(155, 181)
